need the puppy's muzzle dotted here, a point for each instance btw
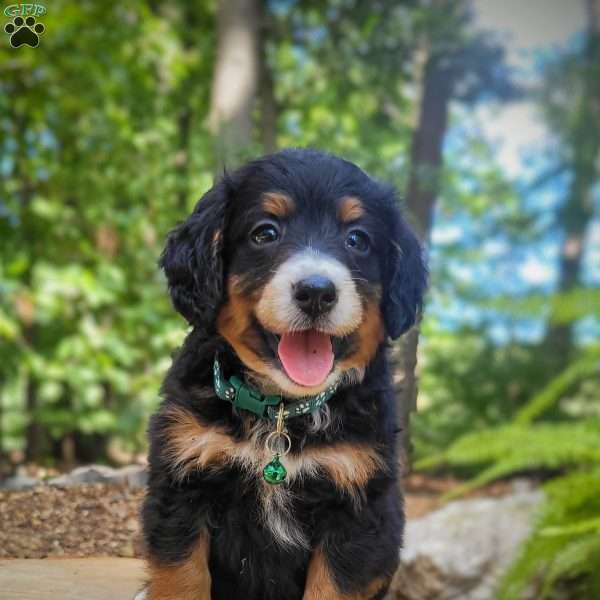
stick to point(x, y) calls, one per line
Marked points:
point(310, 291)
point(315, 295)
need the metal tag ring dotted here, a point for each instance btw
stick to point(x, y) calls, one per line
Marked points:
point(276, 434)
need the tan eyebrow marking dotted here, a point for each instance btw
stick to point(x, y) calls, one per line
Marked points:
point(278, 204)
point(350, 209)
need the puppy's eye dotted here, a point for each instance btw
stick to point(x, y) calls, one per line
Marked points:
point(358, 241)
point(265, 233)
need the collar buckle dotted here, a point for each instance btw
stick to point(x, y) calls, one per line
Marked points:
point(251, 399)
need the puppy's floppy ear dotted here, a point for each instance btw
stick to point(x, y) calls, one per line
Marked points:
point(192, 259)
point(405, 279)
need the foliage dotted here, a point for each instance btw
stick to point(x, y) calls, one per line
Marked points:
point(87, 195)
point(98, 163)
point(105, 147)
point(470, 382)
point(564, 549)
point(549, 421)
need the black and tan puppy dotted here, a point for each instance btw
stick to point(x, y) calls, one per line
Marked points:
point(293, 272)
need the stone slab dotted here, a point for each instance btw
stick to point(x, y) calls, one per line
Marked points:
point(70, 579)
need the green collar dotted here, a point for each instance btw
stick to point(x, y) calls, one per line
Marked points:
point(243, 396)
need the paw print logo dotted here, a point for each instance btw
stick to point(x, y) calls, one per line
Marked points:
point(24, 31)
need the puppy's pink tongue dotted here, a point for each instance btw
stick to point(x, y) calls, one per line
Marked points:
point(306, 356)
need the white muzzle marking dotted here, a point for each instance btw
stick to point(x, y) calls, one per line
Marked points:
point(277, 309)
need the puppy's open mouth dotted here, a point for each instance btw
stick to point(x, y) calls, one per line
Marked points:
point(306, 357)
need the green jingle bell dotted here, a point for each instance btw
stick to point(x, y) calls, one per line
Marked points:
point(274, 473)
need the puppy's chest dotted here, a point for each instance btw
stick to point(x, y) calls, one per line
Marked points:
point(288, 513)
point(340, 468)
point(193, 446)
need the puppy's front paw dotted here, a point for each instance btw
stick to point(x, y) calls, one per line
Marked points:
point(141, 595)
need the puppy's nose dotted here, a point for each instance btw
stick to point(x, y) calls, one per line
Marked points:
point(315, 295)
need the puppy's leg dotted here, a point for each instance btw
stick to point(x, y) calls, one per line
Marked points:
point(357, 554)
point(188, 579)
point(321, 584)
point(175, 511)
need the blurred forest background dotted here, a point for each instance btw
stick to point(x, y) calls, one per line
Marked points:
point(118, 121)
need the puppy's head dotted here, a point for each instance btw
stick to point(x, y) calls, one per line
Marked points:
point(303, 264)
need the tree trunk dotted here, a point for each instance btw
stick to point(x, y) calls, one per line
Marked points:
point(423, 187)
point(268, 103)
point(427, 145)
point(188, 33)
point(36, 438)
point(235, 80)
point(182, 159)
point(593, 9)
point(36, 434)
point(575, 216)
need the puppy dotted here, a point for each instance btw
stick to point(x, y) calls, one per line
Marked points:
point(273, 470)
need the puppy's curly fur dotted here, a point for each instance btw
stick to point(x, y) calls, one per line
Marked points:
point(213, 527)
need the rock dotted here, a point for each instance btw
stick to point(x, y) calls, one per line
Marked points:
point(461, 550)
point(88, 474)
point(133, 476)
point(19, 482)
